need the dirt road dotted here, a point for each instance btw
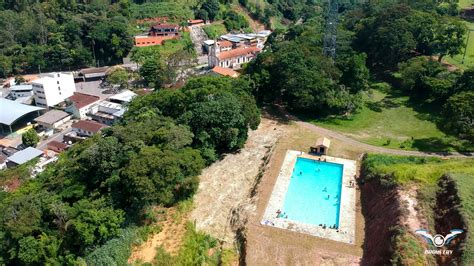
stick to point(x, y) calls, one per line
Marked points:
point(376, 149)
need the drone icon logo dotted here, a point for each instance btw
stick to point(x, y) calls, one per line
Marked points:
point(438, 240)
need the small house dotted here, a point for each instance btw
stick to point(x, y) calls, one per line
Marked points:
point(322, 146)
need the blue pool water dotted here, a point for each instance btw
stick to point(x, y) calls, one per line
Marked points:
point(307, 200)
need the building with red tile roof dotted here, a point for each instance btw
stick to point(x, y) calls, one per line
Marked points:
point(157, 34)
point(233, 58)
point(225, 72)
point(87, 127)
point(57, 146)
point(81, 104)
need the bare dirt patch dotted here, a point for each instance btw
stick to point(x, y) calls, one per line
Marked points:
point(173, 229)
point(412, 220)
point(225, 187)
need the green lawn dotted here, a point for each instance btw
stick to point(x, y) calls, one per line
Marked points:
point(465, 186)
point(469, 58)
point(465, 3)
point(406, 169)
point(390, 121)
point(213, 31)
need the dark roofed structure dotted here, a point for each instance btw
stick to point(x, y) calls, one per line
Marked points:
point(81, 99)
point(88, 126)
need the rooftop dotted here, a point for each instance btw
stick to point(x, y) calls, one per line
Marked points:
point(165, 26)
point(10, 111)
point(225, 71)
point(209, 42)
point(25, 155)
point(238, 52)
point(57, 144)
point(89, 125)
point(22, 87)
point(124, 96)
point(323, 142)
point(51, 117)
point(81, 99)
point(224, 43)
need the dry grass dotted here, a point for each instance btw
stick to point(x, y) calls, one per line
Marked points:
point(224, 188)
point(171, 236)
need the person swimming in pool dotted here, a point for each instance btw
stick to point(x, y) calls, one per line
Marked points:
point(328, 196)
point(325, 189)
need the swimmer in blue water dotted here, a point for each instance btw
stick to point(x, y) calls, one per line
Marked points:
point(325, 189)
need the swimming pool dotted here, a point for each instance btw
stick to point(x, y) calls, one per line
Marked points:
point(314, 193)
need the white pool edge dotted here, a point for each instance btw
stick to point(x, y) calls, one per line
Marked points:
point(347, 210)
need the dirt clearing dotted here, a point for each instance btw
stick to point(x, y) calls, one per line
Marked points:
point(225, 186)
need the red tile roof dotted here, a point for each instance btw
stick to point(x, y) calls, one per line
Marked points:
point(58, 145)
point(165, 26)
point(225, 71)
point(224, 44)
point(89, 125)
point(238, 52)
point(152, 40)
point(195, 21)
point(80, 99)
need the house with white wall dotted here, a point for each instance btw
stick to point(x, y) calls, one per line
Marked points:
point(81, 104)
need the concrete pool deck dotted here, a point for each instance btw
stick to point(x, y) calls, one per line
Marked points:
point(347, 213)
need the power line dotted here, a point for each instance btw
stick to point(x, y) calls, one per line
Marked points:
point(330, 34)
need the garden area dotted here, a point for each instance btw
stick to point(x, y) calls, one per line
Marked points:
point(214, 30)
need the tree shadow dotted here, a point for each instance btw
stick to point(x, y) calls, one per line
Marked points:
point(441, 145)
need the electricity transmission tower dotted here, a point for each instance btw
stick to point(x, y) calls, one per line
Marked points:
point(330, 34)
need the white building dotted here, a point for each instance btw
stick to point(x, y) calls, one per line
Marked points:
point(24, 90)
point(233, 58)
point(53, 88)
point(82, 104)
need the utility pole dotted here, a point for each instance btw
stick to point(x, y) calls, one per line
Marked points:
point(330, 34)
point(467, 43)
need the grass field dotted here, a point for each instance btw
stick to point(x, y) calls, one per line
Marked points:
point(391, 121)
point(215, 30)
point(469, 58)
point(466, 193)
point(405, 169)
point(465, 3)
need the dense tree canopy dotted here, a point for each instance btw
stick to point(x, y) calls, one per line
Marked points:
point(219, 111)
point(30, 138)
point(59, 35)
point(296, 72)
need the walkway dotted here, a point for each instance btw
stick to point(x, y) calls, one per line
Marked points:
point(376, 149)
point(367, 147)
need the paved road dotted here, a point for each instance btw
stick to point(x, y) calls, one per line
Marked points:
point(367, 147)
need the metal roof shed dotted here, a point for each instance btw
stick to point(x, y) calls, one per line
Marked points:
point(11, 111)
point(25, 155)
